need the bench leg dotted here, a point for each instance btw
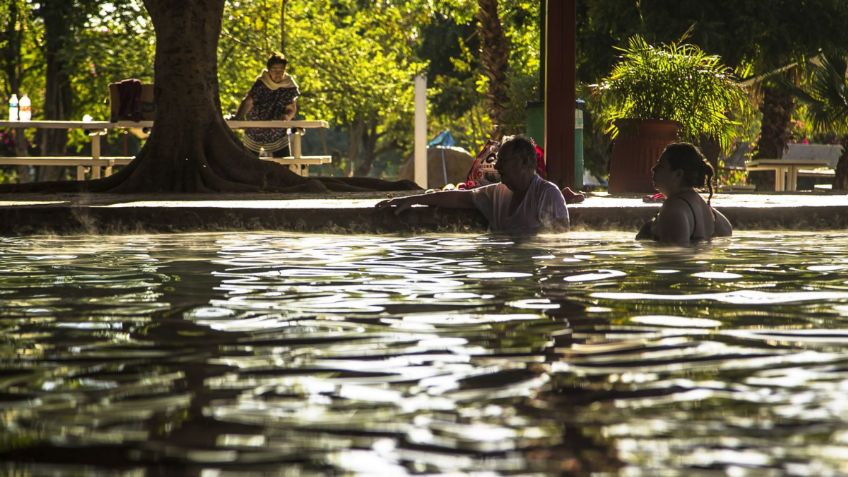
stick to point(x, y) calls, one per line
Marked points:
point(294, 142)
point(792, 179)
point(95, 153)
point(80, 173)
point(295, 168)
point(779, 179)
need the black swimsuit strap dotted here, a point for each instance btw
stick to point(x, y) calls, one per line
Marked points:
point(694, 217)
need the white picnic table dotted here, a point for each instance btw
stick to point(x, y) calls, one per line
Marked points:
point(296, 162)
point(786, 170)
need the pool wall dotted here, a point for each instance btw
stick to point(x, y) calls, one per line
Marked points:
point(87, 213)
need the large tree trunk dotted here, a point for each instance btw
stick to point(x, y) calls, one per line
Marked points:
point(494, 57)
point(57, 94)
point(191, 149)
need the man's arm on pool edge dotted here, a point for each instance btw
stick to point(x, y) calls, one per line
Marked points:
point(453, 199)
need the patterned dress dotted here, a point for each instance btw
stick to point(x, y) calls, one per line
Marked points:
point(268, 104)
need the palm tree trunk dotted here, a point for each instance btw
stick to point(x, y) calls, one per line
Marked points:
point(777, 108)
point(494, 59)
point(840, 181)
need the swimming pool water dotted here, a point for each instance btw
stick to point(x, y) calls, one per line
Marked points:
point(281, 354)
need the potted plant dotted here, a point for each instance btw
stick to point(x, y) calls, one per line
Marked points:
point(658, 94)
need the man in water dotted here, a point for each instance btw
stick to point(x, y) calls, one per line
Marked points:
point(522, 202)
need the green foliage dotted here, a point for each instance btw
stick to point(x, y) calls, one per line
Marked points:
point(450, 49)
point(521, 27)
point(458, 90)
point(766, 34)
point(115, 43)
point(675, 81)
point(105, 42)
point(359, 60)
point(354, 60)
point(826, 96)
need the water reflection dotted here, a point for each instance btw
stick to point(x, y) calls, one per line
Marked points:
point(272, 353)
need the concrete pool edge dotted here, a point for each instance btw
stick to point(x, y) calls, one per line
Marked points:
point(26, 214)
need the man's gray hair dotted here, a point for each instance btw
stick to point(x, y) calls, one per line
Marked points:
point(518, 148)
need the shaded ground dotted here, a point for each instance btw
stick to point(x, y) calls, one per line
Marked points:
point(354, 212)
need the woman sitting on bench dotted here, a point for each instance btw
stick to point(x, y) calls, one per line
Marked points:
point(272, 97)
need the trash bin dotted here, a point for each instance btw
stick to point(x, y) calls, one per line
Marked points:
point(535, 128)
point(578, 143)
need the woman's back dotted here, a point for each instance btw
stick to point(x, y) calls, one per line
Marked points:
point(700, 220)
point(686, 217)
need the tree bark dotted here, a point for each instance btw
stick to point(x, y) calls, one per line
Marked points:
point(777, 107)
point(369, 147)
point(354, 139)
point(711, 149)
point(57, 94)
point(840, 180)
point(494, 59)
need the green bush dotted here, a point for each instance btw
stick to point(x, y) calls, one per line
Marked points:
point(677, 82)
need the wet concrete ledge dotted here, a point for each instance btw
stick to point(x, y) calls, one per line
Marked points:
point(24, 214)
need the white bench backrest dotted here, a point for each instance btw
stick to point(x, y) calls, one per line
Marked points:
point(828, 152)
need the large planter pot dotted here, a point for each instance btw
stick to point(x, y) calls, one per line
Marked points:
point(636, 150)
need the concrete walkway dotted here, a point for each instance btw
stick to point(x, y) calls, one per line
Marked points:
point(355, 213)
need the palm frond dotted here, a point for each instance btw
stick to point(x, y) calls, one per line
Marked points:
point(826, 95)
point(675, 81)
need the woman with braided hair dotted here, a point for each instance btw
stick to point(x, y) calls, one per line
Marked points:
point(684, 217)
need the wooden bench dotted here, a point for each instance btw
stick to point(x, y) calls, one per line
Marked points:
point(81, 163)
point(296, 162)
point(818, 160)
point(100, 166)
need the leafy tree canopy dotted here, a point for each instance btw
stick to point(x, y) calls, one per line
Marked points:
point(766, 34)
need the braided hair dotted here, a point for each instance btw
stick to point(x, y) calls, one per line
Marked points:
point(697, 170)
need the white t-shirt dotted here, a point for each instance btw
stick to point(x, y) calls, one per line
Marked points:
point(543, 206)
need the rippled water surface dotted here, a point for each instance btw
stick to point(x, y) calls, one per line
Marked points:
point(278, 354)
